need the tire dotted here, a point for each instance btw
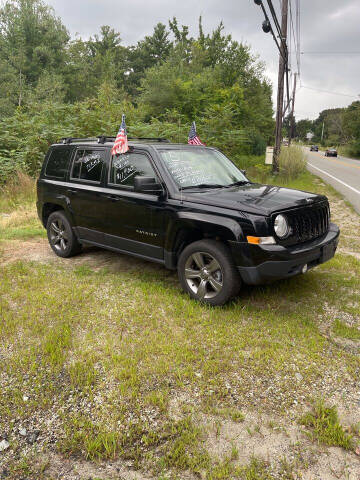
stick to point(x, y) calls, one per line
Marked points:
point(215, 285)
point(61, 236)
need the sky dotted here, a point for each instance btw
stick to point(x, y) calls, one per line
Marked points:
point(326, 26)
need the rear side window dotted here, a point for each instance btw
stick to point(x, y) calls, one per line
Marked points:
point(124, 168)
point(88, 165)
point(58, 162)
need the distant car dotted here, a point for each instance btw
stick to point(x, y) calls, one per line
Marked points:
point(331, 152)
point(314, 148)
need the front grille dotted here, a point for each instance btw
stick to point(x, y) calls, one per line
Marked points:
point(307, 223)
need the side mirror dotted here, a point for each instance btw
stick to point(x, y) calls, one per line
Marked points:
point(147, 185)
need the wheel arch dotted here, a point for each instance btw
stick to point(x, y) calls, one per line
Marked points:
point(190, 227)
point(49, 208)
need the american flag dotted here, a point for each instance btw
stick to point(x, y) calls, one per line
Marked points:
point(193, 139)
point(121, 142)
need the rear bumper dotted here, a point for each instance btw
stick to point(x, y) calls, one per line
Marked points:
point(262, 264)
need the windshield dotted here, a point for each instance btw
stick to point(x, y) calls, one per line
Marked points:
point(201, 166)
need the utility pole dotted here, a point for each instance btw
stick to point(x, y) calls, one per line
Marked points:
point(292, 119)
point(280, 95)
point(322, 132)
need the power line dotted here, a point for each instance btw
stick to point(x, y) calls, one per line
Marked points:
point(330, 53)
point(296, 35)
point(283, 44)
point(287, 81)
point(277, 25)
point(273, 13)
point(298, 32)
point(268, 28)
point(328, 91)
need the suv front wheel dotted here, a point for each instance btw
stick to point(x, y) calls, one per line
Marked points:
point(207, 272)
point(61, 236)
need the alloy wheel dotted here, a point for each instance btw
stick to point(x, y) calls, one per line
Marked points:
point(203, 275)
point(58, 235)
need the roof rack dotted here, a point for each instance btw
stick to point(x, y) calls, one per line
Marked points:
point(151, 139)
point(68, 140)
point(104, 139)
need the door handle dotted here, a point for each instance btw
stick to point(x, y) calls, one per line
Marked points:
point(113, 198)
point(70, 190)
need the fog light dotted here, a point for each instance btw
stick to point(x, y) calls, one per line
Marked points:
point(305, 268)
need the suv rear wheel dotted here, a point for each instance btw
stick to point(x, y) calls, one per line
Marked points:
point(61, 236)
point(207, 272)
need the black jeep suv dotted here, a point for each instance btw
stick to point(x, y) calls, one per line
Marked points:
point(186, 207)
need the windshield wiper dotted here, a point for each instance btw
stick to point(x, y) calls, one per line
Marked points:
point(240, 182)
point(203, 185)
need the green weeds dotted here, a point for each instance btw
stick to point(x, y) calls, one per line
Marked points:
point(325, 427)
point(340, 329)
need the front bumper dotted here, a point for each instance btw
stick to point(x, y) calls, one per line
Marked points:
point(262, 264)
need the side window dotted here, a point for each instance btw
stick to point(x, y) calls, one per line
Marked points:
point(58, 162)
point(88, 165)
point(124, 168)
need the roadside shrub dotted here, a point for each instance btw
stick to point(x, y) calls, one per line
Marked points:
point(17, 191)
point(258, 144)
point(9, 165)
point(354, 148)
point(245, 162)
point(292, 162)
point(260, 173)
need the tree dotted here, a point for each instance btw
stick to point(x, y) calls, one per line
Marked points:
point(90, 63)
point(32, 40)
point(81, 87)
point(79, 75)
point(303, 127)
point(211, 75)
point(9, 88)
point(154, 49)
point(108, 41)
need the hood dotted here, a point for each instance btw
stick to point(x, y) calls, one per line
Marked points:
point(254, 198)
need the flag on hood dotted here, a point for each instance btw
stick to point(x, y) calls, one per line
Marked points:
point(193, 139)
point(121, 141)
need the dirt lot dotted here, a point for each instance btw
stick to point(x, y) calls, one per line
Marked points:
point(110, 372)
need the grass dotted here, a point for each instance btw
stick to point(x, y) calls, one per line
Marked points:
point(27, 466)
point(18, 218)
point(19, 191)
point(340, 329)
point(293, 173)
point(325, 427)
point(292, 162)
point(118, 363)
point(229, 413)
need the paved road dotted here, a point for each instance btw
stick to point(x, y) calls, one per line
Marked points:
point(341, 172)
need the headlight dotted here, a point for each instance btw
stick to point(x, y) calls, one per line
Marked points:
point(281, 226)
